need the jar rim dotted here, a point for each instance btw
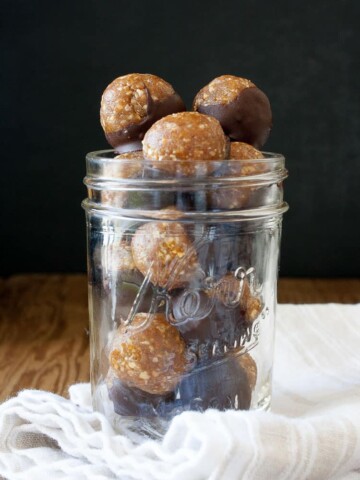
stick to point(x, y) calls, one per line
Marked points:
point(103, 171)
point(111, 182)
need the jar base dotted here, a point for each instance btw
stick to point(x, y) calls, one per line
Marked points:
point(139, 429)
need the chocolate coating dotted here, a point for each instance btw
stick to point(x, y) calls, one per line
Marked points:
point(131, 104)
point(149, 354)
point(130, 401)
point(190, 312)
point(218, 320)
point(221, 384)
point(244, 113)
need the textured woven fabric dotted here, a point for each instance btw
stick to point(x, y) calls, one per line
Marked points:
point(312, 433)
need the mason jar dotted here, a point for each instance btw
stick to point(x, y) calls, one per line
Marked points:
point(182, 270)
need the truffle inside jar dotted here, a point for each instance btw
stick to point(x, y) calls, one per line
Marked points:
point(245, 160)
point(149, 354)
point(164, 252)
point(180, 143)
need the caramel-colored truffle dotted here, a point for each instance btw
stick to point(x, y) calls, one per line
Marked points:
point(129, 294)
point(234, 292)
point(125, 165)
point(167, 213)
point(149, 354)
point(250, 163)
point(242, 109)
point(249, 365)
point(222, 90)
point(119, 257)
point(164, 251)
point(131, 104)
point(244, 151)
point(188, 136)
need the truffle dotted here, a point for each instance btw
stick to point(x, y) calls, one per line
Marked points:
point(179, 143)
point(125, 165)
point(164, 252)
point(250, 163)
point(217, 321)
point(190, 312)
point(249, 365)
point(131, 104)
point(125, 278)
point(244, 151)
point(222, 384)
point(131, 401)
point(233, 292)
point(149, 354)
point(242, 109)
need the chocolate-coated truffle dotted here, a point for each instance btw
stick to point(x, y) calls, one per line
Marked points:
point(190, 312)
point(149, 354)
point(242, 109)
point(221, 384)
point(164, 251)
point(215, 322)
point(222, 320)
point(188, 136)
point(131, 104)
point(131, 401)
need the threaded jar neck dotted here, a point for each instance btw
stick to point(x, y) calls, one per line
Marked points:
point(207, 190)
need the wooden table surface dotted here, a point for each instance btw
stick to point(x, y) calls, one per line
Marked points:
point(44, 326)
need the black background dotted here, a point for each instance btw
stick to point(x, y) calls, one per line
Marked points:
point(57, 58)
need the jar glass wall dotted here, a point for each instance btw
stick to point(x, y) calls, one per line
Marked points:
point(182, 286)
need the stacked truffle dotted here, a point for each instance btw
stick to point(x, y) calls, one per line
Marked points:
point(190, 354)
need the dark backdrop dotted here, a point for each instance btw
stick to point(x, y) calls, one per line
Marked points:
point(57, 57)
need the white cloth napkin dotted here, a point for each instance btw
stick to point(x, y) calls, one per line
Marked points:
point(312, 433)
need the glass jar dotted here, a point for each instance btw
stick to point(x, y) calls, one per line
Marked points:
point(182, 268)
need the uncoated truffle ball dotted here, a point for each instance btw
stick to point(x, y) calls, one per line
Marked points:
point(125, 165)
point(187, 136)
point(238, 196)
point(123, 278)
point(242, 109)
point(249, 365)
point(234, 292)
point(149, 354)
point(131, 104)
point(164, 251)
point(244, 151)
